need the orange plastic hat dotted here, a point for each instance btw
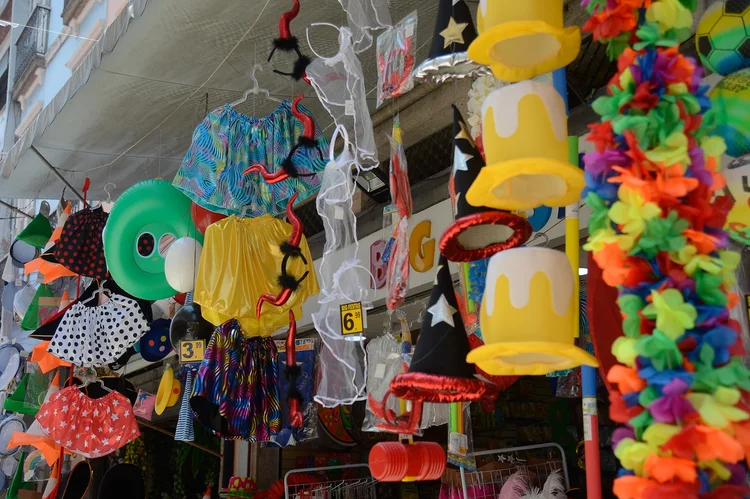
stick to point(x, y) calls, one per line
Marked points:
point(46, 360)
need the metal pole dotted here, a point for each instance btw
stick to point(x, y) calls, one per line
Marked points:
point(588, 374)
point(13, 208)
point(57, 174)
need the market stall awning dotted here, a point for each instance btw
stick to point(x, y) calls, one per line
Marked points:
point(128, 112)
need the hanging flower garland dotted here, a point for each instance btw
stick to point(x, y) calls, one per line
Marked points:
point(656, 232)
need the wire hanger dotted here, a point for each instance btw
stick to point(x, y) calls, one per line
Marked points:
point(102, 289)
point(106, 190)
point(255, 90)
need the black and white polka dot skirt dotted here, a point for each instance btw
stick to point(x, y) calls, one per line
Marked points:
point(97, 336)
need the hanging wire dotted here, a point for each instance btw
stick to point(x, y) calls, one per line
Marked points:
point(189, 97)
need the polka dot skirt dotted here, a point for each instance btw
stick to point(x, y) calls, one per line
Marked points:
point(80, 248)
point(96, 336)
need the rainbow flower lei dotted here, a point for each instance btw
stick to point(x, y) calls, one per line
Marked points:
point(657, 233)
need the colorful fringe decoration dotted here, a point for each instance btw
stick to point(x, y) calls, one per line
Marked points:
point(656, 232)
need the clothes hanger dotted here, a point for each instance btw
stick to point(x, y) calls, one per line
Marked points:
point(101, 289)
point(255, 90)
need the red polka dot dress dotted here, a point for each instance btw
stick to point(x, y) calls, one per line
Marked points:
point(80, 248)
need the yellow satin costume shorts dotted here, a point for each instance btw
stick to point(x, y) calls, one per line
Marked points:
point(241, 261)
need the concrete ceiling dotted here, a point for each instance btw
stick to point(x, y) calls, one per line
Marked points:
point(134, 117)
point(165, 72)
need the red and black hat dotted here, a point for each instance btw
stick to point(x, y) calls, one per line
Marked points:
point(477, 232)
point(439, 371)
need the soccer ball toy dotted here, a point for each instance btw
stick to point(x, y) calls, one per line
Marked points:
point(730, 99)
point(723, 36)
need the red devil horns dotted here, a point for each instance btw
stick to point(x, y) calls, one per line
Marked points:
point(305, 119)
point(296, 236)
point(291, 350)
point(294, 239)
point(285, 31)
point(269, 178)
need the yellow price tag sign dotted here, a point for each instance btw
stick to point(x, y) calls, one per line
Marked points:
point(351, 318)
point(192, 351)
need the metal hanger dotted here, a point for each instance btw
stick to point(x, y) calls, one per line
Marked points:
point(102, 289)
point(256, 89)
point(106, 190)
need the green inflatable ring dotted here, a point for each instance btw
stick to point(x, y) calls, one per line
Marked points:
point(143, 223)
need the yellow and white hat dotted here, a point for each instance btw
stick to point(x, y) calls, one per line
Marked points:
point(527, 315)
point(523, 39)
point(525, 136)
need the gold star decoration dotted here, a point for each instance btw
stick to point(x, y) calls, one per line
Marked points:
point(453, 33)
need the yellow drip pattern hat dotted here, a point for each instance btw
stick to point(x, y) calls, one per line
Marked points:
point(525, 135)
point(527, 315)
point(523, 39)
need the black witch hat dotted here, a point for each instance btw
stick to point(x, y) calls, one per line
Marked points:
point(439, 371)
point(477, 232)
point(454, 32)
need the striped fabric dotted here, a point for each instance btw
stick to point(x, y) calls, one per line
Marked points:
point(185, 431)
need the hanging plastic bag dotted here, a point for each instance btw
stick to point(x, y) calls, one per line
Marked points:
point(397, 251)
point(339, 83)
point(342, 361)
point(364, 17)
point(397, 50)
point(306, 355)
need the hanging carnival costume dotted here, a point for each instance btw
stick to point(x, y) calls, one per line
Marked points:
point(365, 16)
point(477, 232)
point(342, 375)
point(454, 32)
point(307, 140)
point(397, 273)
point(227, 142)
point(236, 254)
point(286, 42)
point(236, 393)
point(96, 336)
point(89, 427)
point(439, 371)
point(298, 383)
point(340, 85)
point(657, 233)
point(81, 248)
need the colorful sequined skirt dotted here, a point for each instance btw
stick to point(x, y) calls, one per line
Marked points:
point(236, 391)
point(227, 142)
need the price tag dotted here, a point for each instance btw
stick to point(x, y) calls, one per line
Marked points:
point(349, 107)
point(458, 443)
point(351, 318)
point(192, 351)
